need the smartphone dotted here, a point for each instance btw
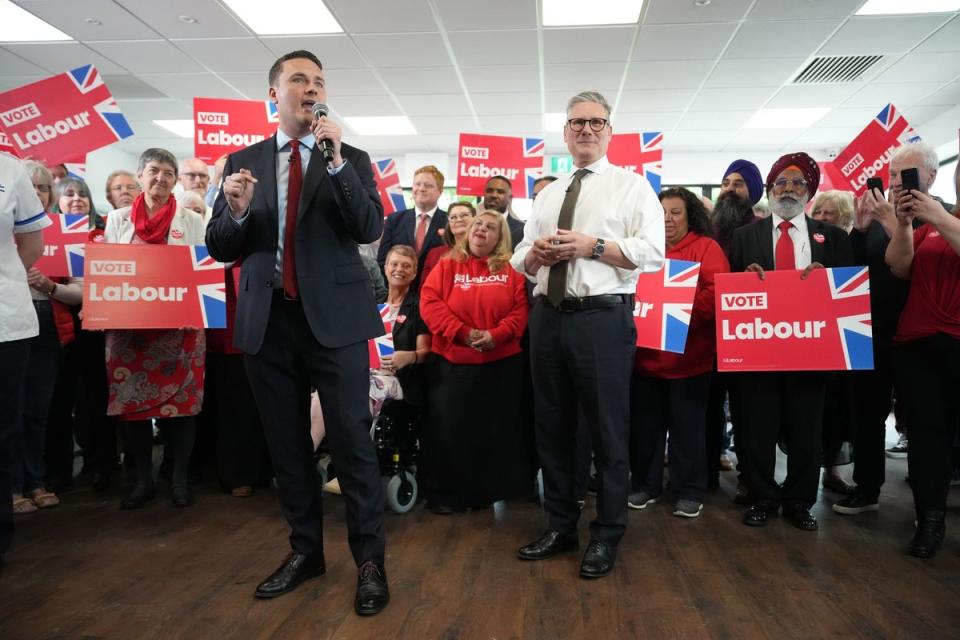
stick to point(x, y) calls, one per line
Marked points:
point(910, 179)
point(875, 183)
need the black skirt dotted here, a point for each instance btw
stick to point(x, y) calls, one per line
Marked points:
point(475, 449)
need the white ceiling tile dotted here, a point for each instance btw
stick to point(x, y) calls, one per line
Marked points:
point(186, 86)
point(475, 48)
point(13, 64)
point(498, 79)
point(875, 96)
point(396, 16)
point(946, 39)
point(779, 39)
point(12, 82)
point(814, 95)
point(949, 95)
point(334, 51)
point(754, 72)
point(404, 50)
point(577, 77)
point(409, 80)
point(655, 100)
point(705, 120)
point(865, 35)
point(347, 106)
point(682, 41)
point(57, 57)
point(513, 125)
point(506, 103)
point(463, 15)
point(212, 19)
point(429, 125)
point(70, 17)
point(353, 82)
point(229, 54)
point(808, 10)
point(637, 122)
point(731, 98)
point(669, 74)
point(762, 138)
point(155, 56)
point(166, 109)
point(698, 139)
point(611, 44)
point(435, 105)
point(252, 84)
point(917, 115)
point(817, 136)
point(679, 12)
point(556, 101)
point(923, 67)
point(128, 86)
point(849, 117)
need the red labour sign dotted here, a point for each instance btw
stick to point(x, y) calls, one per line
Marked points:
point(223, 126)
point(482, 157)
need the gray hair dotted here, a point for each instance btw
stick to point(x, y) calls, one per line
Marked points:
point(589, 96)
point(926, 153)
point(38, 173)
point(187, 199)
point(160, 156)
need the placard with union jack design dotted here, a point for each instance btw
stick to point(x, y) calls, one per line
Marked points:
point(783, 323)
point(60, 118)
point(222, 126)
point(382, 346)
point(153, 286)
point(388, 184)
point(663, 305)
point(63, 246)
point(639, 152)
point(482, 157)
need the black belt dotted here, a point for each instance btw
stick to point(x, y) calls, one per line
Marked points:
point(569, 305)
point(279, 295)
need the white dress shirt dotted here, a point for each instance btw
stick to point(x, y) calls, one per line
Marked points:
point(614, 204)
point(799, 235)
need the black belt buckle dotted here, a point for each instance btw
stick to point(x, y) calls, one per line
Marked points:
point(571, 305)
point(281, 295)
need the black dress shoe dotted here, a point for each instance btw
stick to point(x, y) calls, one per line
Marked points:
point(598, 559)
point(758, 515)
point(373, 594)
point(931, 528)
point(294, 570)
point(550, 544)
point(141, 495)
point(801, 518)
point(182, 497)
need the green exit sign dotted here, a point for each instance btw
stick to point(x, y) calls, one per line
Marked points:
point(561, 164)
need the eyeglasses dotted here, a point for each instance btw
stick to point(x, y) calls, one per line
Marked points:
point(195, 176)
point(125, 187)
point(596, 124)
point(459, 216)
point(42, 188)
point(796, 183)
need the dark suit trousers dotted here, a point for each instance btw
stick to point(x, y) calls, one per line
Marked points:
point(15, 355)
point(583, 358)
point(874, 393)
point(281, 375)
point(790, 405)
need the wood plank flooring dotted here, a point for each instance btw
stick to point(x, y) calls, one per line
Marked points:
point(86, 570)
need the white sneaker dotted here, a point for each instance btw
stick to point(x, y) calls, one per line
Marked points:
point(898, 450)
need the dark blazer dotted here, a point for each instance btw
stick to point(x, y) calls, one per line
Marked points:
point(516, 230)
point(754, 243)
point(401, 228)
point(336, 214)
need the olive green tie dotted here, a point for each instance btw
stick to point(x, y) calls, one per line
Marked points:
point(557, 281)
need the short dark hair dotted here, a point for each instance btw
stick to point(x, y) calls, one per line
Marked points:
point(160, 156)
point(698, 220)
point(547, 179)
point(293, 55)
point(500, 177)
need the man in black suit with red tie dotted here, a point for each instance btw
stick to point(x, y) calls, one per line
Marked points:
point(294, 208)
point(420, 227)
point(787, 404)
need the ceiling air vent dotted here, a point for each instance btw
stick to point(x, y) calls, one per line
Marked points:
point(835, 69)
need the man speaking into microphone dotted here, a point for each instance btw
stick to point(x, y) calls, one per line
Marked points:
point(293, 208)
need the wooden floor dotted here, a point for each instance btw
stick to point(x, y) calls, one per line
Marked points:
point(86, 570)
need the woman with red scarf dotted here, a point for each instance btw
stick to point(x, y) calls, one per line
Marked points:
point(156, 374)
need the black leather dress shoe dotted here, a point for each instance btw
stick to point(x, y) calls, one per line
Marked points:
point(758, 515)
point(294, 570)
point(141, 495)
point(598, 559)
point(931, 528)
point(550, 544)
point(182, 497)
point(802, 519)
point(373, 594)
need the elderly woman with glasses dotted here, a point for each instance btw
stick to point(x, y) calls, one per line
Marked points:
point(122, 188)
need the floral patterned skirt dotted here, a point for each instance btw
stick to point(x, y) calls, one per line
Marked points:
point(155, 373)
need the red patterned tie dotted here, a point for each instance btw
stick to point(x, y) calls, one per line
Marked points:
point(294, 184)
point(784, 254)
point(421, 231)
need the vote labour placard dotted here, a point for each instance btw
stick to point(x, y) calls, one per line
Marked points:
point(783, 323)
point(152, 286)
point(224, 126)
point(640, 153)
point(63, 246)
point(62, 117)
point(868, 155)
point(663, 305)
point(481, 157)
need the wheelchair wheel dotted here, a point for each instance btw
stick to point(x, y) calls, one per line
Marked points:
point(401, 492)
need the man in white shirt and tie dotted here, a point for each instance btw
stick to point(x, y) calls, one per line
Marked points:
point(589, 236)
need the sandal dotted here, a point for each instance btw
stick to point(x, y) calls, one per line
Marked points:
point(243, 491)
point(43, 498)
point(23, 505)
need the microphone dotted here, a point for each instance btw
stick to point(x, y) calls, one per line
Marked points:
point(320, 110)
